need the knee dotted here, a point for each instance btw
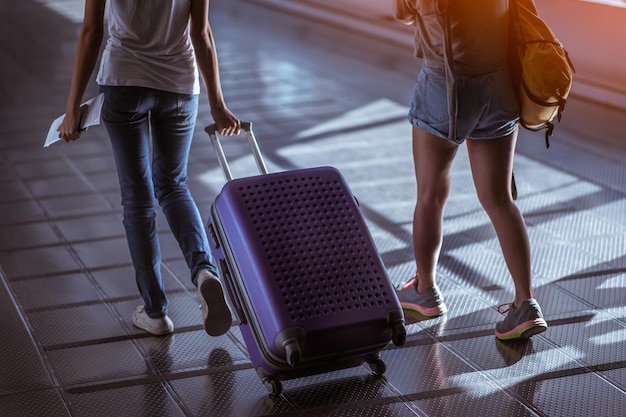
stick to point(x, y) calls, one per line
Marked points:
point(495, 202)
point(137, 198)
point(433, 199)
point(138, 213)
point(169, 191)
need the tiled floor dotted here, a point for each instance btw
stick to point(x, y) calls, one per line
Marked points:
point(317, 96)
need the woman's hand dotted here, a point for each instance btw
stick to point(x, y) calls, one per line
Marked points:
point(69, 129)
point(227, 123)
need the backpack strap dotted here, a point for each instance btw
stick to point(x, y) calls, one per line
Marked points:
point(453, 106)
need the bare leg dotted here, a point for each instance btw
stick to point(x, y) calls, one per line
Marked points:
point(492, 165)
point(433, 158)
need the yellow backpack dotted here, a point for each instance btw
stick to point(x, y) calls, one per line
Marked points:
point(540, 67)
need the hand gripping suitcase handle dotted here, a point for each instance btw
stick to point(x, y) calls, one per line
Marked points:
point(221, 157)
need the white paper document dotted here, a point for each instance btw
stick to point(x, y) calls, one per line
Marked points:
point(91, 117)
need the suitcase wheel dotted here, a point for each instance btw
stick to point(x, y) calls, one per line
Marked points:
point(377, 365)
point(398, 335)
point(395, 321)
point(289, 340)
point(273, 386)
point(293, 354)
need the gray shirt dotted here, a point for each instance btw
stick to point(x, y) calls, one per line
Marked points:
point(149, 46)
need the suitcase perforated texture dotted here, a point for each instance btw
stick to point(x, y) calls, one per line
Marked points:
point(311, 233)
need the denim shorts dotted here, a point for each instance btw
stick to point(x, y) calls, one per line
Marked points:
point(487, 105)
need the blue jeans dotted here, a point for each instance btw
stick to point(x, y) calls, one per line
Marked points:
point(133, 116)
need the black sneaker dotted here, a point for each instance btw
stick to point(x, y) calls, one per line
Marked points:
point(522, 322)
point(215, 311)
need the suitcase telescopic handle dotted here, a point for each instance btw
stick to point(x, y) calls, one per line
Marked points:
point(221, 157)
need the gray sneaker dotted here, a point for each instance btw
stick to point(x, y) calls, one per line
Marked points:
point(215, 311)
point(428, 304)
point(522, 322)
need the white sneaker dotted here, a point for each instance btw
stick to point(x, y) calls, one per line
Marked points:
point(215, 311)
point(158, 327)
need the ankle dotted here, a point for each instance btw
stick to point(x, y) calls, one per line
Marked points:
point(517, 303)
point(421, 286)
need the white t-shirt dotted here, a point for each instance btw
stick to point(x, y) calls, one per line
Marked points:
point(149, 46)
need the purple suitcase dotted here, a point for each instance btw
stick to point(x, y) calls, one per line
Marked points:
point(302, 272)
